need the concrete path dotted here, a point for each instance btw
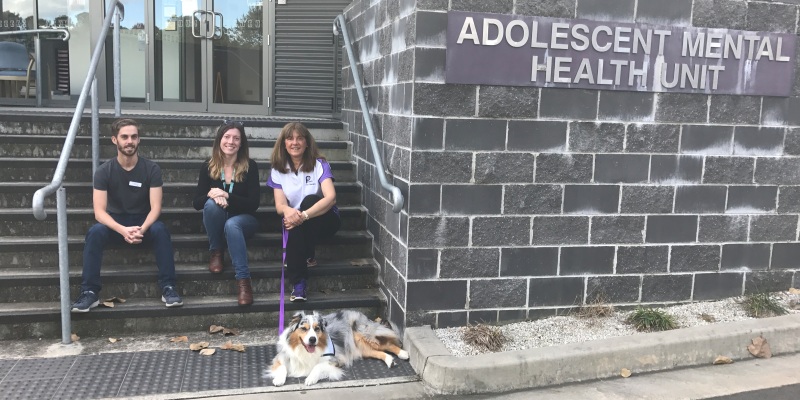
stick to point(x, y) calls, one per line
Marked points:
point(781, 373)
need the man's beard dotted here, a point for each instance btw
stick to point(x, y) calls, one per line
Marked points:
point(128, 151)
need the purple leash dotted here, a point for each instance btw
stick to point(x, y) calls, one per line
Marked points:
point(285, 235)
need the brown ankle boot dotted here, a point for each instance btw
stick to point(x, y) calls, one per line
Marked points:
point(245, 292)
point(215, 262)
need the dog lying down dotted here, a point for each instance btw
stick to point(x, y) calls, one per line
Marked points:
point(319, 347)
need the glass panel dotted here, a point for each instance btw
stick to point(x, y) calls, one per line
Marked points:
point(65, 64)
point(178, 63)
point(15, 15)
point(238, 61)
point(132, 54)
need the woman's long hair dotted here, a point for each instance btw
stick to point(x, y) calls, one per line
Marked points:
point(281, 157)
point(242, 164)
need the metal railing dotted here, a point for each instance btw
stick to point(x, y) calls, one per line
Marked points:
point(56, 185)
point(37, 46)
point(340, 25)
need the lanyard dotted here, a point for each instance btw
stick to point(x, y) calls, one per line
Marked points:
point(230, 189)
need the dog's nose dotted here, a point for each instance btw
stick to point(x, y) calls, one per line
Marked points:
point(312, 340)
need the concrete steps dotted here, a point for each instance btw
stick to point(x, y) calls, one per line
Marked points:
point(29, 285)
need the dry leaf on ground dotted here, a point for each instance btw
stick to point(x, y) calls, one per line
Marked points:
point(114, 300)
point(75, 337)
point(759, 348)
point(230, 331)
point(215, 328)
point(198, 346)
point(109, 304)
point(207, 352)
point(113, 340)
point(794, 291)
point(722, 360)
point(625, 373)
point(230, 346)
point(178, 339)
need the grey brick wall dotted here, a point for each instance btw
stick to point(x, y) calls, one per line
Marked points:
point(526, 202)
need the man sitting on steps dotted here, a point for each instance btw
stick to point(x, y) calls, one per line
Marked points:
point(127, 203)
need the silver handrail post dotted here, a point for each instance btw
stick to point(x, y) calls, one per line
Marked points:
point(38, 54)
point(117, 66)
point(95, 127)
point(63, 265)
point(61, 168)
point(397, 195)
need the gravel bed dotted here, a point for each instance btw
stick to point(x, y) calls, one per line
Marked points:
point(572, 329)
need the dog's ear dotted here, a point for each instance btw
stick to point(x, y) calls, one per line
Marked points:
point(296, 318)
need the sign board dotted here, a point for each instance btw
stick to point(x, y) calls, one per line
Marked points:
point(511, 50)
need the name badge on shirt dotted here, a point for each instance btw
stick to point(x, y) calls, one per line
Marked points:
point(310, 181)
point(135, 184)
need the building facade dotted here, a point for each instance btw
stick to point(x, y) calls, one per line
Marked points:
point(236, 57)
point(526, 201)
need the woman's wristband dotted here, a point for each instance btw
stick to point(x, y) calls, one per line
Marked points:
point(305, 216)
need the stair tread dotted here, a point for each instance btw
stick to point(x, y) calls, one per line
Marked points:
point(257, 267)
point(192, 305)
point(175, 210)
point(176, 238)
point(86, 139)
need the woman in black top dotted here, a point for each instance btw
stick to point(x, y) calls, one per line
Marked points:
point(228, 193)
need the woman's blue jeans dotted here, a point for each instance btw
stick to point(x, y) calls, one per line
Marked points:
point(231, 229)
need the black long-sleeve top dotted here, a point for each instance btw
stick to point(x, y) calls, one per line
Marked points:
point(245, 197)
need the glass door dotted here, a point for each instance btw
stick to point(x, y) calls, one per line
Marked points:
point(209, 56)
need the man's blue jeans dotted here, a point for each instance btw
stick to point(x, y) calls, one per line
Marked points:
point(99, 236)
point(233, 229)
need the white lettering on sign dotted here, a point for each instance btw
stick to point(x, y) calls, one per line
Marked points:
point(623, 56)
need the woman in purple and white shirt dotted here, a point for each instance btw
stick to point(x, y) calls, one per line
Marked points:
point(304, 195)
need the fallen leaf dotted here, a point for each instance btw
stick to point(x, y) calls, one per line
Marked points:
point(707, 317)
point(722, 360)
point(75, 337)
point(378, 319)
point(198, 346)
point(325, 291)
point(114, 300)
point(794, 291)
point(207, 352)
point(359, 261)
point(108, 304)
point(178, 339)
point(230, 346)
point(759, 348)
point(215, 328)
point(625, 373)
point(230, 331)
point(113, 340)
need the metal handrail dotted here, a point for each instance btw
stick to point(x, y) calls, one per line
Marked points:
point(56, 185)
point(397, 196)
point(38, 54)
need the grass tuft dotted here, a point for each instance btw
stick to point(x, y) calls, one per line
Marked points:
point(595, 308)
point(762, 305)
point(651, 320)
point(485, 336)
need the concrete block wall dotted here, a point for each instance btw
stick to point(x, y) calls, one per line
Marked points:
point(523, 202)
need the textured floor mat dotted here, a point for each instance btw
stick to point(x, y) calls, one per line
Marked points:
point(156, 372)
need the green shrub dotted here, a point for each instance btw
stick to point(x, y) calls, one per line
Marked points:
point(761, 305)
point(651, 319)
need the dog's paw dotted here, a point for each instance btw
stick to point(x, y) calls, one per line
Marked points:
point(403, 355)
point(279, 380)
point(311, 380)
point(389, 360)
